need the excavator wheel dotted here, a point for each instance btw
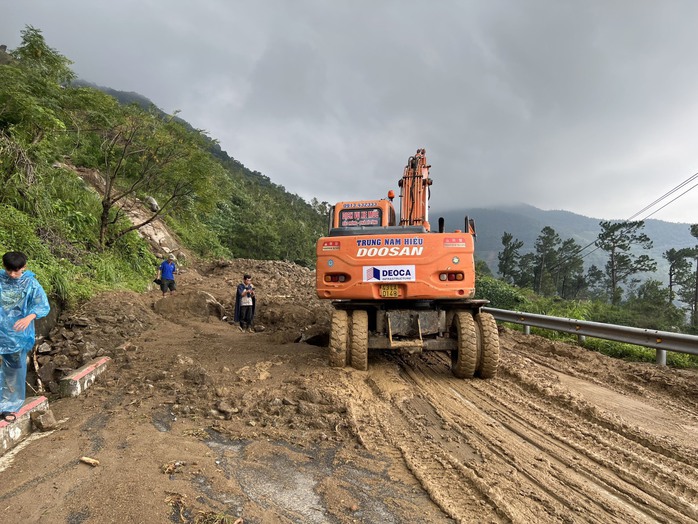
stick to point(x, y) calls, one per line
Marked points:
point(489, 349)
point(338, 339)
point(359, 340)
point(464, 359)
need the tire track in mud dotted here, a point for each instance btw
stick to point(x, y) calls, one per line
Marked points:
point(687, 406)
point(525, 447)
point(575, 361)
point(545, 460)
point(382, 426)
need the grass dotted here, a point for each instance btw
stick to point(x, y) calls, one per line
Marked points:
point(619, 350)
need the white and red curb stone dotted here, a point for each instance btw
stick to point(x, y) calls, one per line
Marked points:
point(12, 433)
point(82, 378)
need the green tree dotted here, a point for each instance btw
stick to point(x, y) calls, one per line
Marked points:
point(616, 239)
point(482, 269)
point(32, 118)
point(546, 258)
point(36, 56)
point(321, 208)
point(597, 284)
point(569, 270)
point(678, 266)
point(509, 257)
point(525, 274)
point(689, 284)
point(649, 307)
point(142, 154)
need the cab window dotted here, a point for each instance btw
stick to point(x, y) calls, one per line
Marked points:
point(360, 217)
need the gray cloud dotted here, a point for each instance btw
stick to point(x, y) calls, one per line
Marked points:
point(586, 106)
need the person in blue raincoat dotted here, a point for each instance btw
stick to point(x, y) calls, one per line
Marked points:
point(22, 300)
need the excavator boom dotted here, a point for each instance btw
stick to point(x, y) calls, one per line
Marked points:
point(414, 196)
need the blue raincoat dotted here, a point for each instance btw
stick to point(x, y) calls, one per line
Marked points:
point(19, 297)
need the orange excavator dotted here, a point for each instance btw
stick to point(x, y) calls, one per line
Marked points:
point(397, 285)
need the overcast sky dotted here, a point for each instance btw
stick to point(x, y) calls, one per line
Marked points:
point(588, 106)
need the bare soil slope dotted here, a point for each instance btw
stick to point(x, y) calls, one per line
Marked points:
point(195, 421)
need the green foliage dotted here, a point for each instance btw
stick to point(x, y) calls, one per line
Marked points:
point(509, 257)
point(616, 239)
point(500, 294)
point(129, 267)
point(269, 224)
point(557, 307)
point(200, 239)
point(79, 241)
point(482, 269)
point(40, 59)
point(70, 207)
point(634, 353)
point(546, 258)
point(18, 233)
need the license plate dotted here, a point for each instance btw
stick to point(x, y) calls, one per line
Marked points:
point(389, 291)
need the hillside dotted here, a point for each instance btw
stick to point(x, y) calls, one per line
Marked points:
point(526, 222)
point(523, 221)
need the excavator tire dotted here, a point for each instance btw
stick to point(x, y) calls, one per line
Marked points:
point(464, 359)
point(359, 340)
point(489, 350)
point(338, 339)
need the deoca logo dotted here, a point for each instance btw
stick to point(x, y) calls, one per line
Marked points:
point(389, 273)
point(396, 273)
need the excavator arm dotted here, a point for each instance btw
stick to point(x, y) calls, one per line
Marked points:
point(414, 195)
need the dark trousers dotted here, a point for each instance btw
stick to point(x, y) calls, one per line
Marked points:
point(245, 317)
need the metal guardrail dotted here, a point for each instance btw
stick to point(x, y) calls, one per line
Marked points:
point(662, 341)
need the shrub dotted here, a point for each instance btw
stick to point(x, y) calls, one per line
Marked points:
point(500, 294)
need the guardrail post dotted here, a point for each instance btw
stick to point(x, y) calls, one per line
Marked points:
point(581, 339)
point(527, 329)
point(661, 357)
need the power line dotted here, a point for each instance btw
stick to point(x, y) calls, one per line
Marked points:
point(647, 207)
point(675, 198)
point(665, 195)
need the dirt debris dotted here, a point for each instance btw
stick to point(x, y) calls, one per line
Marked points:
point(196, 420)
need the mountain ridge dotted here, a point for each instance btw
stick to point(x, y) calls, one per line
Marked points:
point(525, 223)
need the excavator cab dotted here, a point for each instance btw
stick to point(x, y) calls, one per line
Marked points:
point(361, 217)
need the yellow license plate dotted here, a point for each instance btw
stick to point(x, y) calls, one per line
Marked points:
point(389, 291)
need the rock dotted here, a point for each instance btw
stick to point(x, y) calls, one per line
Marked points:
point(222, 391)
point(198, 376)
point(313, 396)
point(61, 361)
point(78, 322)
point(44, 348)
point(46, 372)
point(225, 408)
point(43, 420)
point(152, 204)
point(157, 376)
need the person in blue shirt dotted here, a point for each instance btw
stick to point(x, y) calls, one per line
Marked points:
point(166, 273)
point(22, 300)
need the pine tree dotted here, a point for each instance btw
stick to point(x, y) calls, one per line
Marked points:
point(546, 258)
point(509, 257)
point(617, 238)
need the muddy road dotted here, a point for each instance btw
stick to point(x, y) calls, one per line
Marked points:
point(197, 422)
